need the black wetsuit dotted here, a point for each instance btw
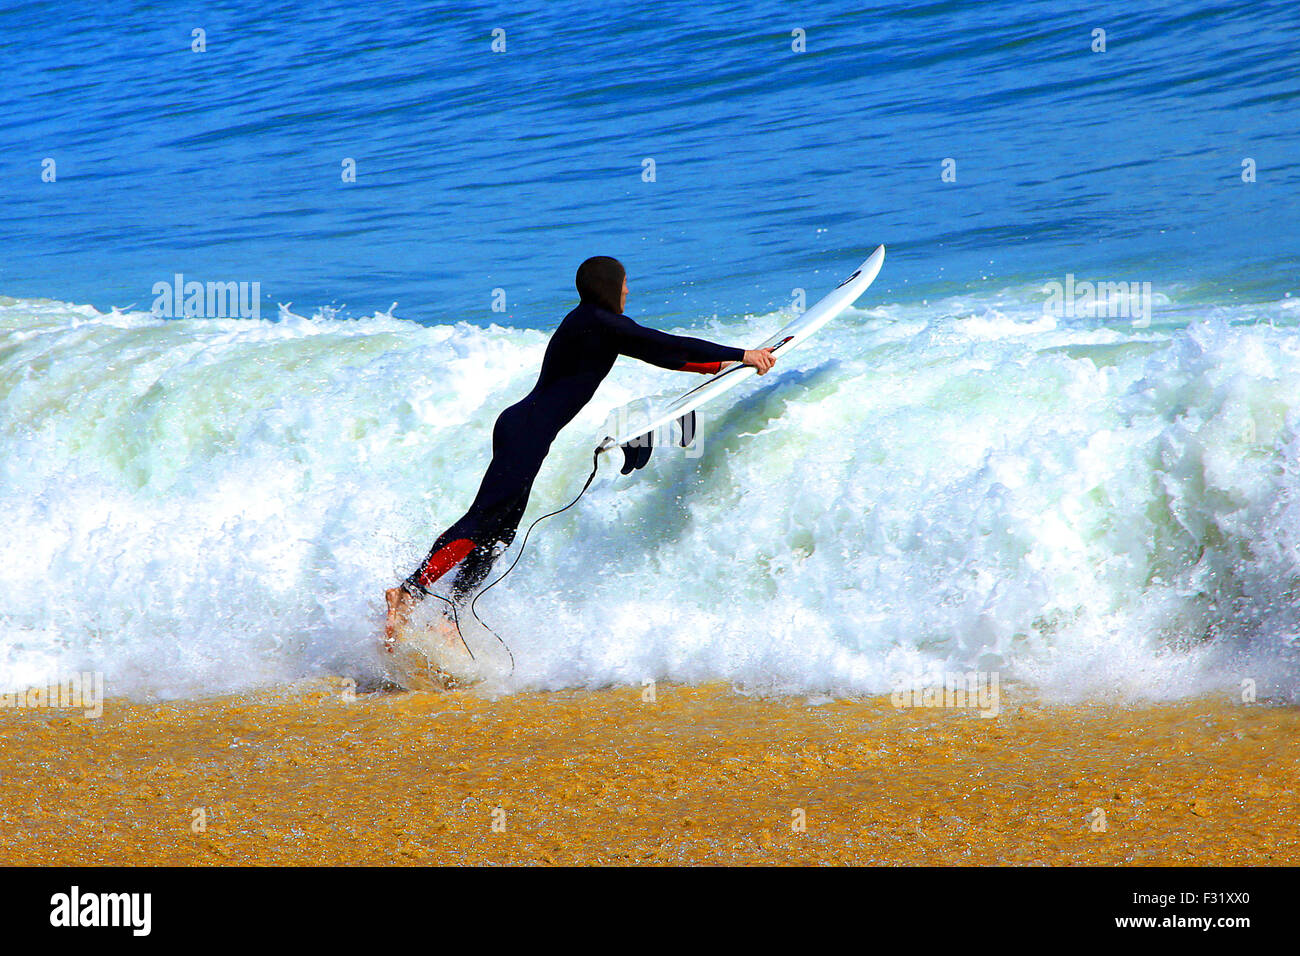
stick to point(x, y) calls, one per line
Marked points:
point(579, 356)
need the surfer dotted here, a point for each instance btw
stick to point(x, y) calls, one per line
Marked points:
point(580, 354)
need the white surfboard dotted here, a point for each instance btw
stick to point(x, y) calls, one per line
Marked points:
point(634, 424)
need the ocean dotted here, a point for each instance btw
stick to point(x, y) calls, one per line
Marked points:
point(1057, 439)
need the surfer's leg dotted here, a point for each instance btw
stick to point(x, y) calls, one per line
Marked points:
point(517, 453)
point(400, 603)
point(474, 543)
point(470, 542)
point(504, 524)
point(449, 550)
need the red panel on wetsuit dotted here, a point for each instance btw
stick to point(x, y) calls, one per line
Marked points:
point(708, 368)
point(444, 559)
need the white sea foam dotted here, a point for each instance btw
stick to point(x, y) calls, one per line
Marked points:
point(194, 506)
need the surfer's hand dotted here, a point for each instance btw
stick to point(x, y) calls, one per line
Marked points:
point(760, 359)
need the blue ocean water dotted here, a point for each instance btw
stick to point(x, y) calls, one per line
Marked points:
point(953, 475)
point(478, 170)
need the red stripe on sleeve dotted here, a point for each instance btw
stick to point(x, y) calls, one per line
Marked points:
point(706, 368)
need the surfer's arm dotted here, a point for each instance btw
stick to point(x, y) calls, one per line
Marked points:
point(681, 353)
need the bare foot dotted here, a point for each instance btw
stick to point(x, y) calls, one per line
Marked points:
point(400, 604)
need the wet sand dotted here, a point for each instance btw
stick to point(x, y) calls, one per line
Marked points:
point(701, 775)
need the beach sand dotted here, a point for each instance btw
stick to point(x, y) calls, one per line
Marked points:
point(312, 774)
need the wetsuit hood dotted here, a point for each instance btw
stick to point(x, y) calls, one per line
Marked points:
point(600, 283)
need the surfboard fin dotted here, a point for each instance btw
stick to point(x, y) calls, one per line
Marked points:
point(687, 425)
point(637, 452)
